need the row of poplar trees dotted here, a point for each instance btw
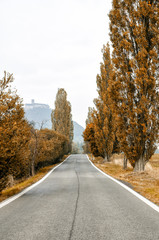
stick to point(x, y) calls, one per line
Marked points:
point(24, 149)
point(126, 114)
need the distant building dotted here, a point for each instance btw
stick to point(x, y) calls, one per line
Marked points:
point(35, 105)
point(38, 113)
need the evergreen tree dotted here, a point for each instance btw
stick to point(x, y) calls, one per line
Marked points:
point(134, 33)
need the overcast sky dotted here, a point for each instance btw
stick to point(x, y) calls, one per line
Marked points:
point(51, 44)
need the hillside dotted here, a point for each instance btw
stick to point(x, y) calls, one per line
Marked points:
point(40, 114)
point(78, 131)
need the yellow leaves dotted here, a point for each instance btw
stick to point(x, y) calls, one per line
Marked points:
point(61, 117)
point(146, 8)
point(125, 44)
point(131, 23)
point(141, 57)
point(14, 130)
point(153, 53)
point(143, 128)
point(149, 4)
point(89, 136)
point(134, 91)
point(101, 132)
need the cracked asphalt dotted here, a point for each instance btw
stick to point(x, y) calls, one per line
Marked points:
point(78, 202)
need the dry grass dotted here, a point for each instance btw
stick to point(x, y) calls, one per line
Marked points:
point(155, 161)
point(146, 183)
point(18, 187)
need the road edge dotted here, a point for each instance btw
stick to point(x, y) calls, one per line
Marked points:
point(11, 199)
point(145, 200)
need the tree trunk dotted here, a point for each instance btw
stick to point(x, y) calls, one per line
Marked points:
point(125, 162)
point(33, 163)
point(106, 158)
point(140, 165)
point(32, 168)
point(10, 180)
point(34, 156)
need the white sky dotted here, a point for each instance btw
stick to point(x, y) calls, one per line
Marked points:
point(51, 44)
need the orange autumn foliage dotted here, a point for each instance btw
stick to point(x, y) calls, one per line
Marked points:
point(134, 34)
point(14, 134)
point(23, 149)
point(89, 137)
point(103, 115)
point(61, 116)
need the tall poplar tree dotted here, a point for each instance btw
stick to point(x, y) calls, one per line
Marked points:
point(61, 116)
point(88, 135)
point(89, 116)
point(134, 31)
point(103, 117)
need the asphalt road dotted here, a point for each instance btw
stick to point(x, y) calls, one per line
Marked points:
point(78, 202)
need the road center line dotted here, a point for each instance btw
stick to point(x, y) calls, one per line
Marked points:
point(76, 205)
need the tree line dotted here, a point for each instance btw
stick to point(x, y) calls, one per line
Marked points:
point(126, 113)
point(24, 149)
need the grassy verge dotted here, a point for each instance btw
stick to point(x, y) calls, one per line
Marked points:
point(18, 187)
point(146, 183)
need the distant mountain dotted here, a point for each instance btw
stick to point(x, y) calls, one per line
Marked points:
point(78, 131)
point(40, 114)
point(157, 150)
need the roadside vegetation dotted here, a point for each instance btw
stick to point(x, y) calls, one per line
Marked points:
point(146, 183)
point(125, 117)
point(122, 130)
point(21, 184)
point(25, 150)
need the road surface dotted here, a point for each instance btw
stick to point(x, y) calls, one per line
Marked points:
point(78, 202)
